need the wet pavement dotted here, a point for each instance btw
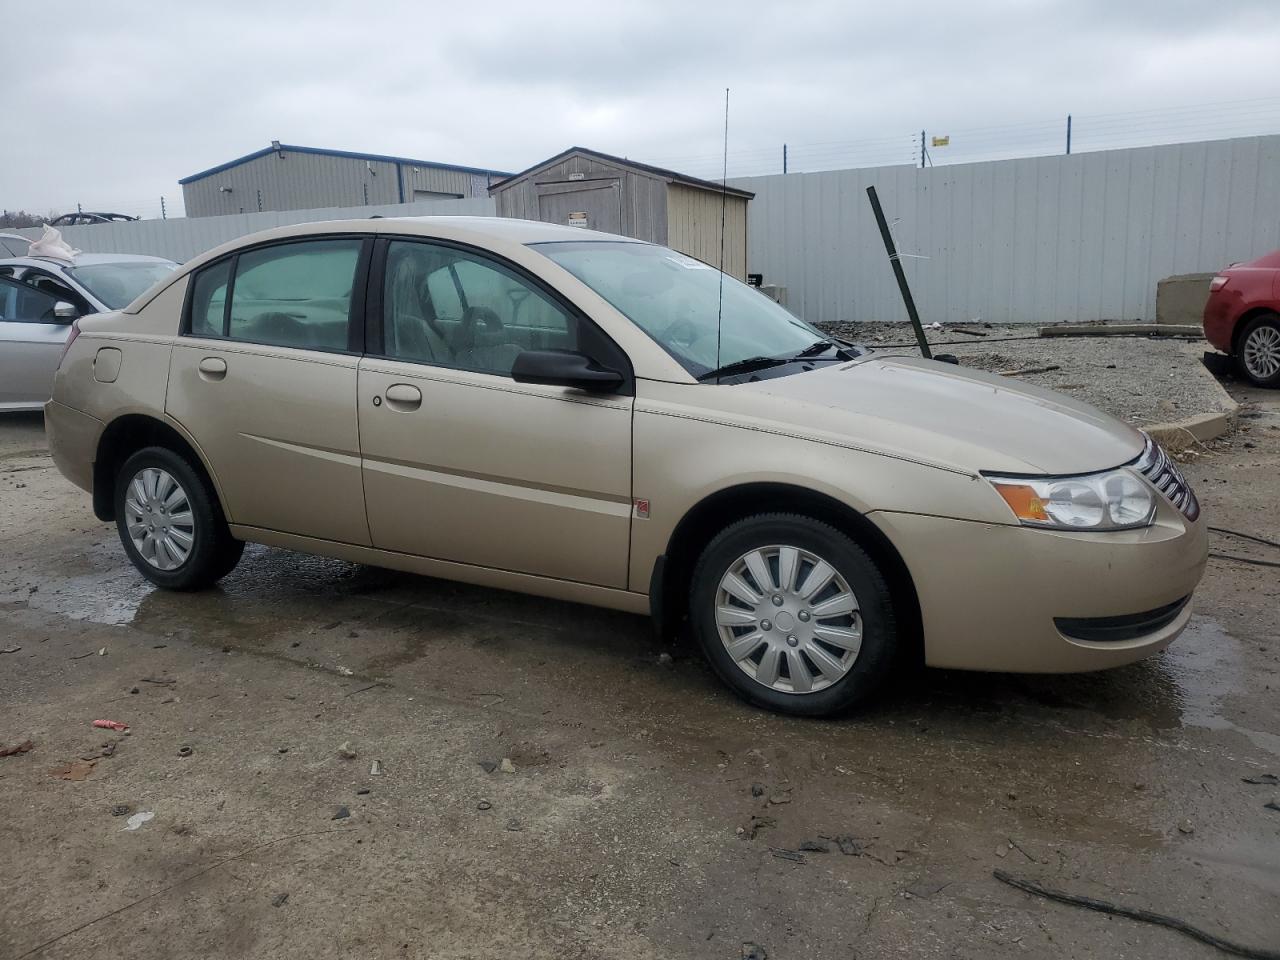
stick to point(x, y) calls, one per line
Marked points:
point(628, 824)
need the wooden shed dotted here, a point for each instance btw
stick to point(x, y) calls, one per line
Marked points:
point(586, 188)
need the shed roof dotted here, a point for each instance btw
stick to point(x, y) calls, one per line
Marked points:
point(349, 154)
point(671, 176)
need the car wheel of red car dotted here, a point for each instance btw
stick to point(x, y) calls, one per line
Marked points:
point(1259, 352)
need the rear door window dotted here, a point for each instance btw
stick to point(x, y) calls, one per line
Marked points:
point(288, 294)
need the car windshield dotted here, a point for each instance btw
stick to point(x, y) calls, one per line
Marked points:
point(119, 284)
point(676, 300)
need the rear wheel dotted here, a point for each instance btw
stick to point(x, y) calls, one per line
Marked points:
point(793, 615)
point(170, 522)
point(1259, 353)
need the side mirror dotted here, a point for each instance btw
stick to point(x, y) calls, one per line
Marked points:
point(65, 311)
point(564, 368)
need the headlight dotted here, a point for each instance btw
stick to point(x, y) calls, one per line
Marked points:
point(1114, 500)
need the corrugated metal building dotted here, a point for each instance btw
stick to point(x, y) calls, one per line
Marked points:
point(287, 177)
point(586, 188)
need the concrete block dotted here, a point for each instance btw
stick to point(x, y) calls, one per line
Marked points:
point(1180, 299)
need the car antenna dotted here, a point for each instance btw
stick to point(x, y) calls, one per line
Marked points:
point(724, 199)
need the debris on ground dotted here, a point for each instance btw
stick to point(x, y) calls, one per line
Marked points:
point(783, 796)
point(784, 854)
point(375, 768)
point(665, 660)
point(106, 750)
point(76, 770)
point(1186, 826)
point(138, 819)
point(341, 814)
point(121, 810)
point(849, 846)
point(9, 649)
point(162, 681)
point(757, 789)
point(185, 751)
point(345, 751)
point(279, 899)
point(757, 824)
point(102, 651)
point(346, 671)
point(816, 846)
point(1269, 779)
point(282, 749)
point(16, 748)
point(111, 725)
point(1272, 805)
point(484, 804)
point(924, 889)
point(514, 825)
point(753, 951)
point(488, 766)
point(362, 791)
point(507, 766)
point(1134, 913)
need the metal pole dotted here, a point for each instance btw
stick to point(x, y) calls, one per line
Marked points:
point(921, 149)
point(784, 158)
point(1068, 134)
point(163, 214)
point(899, 273)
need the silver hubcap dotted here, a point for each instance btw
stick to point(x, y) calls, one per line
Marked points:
point(158, 517)
point(1262, 352)
point(788, 619)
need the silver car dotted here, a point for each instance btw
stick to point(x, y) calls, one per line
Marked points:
point(40, 297)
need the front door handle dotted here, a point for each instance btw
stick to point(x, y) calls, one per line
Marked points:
point(213, 368)
point(404, 396)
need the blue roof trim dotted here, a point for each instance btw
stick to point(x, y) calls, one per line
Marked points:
point(347, 154)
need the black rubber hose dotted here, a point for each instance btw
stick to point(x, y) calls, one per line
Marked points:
point(1133, 913)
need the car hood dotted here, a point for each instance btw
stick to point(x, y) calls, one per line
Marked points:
point(943, 414)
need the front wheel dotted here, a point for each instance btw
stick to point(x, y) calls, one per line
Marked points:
point(170, 522)
point(1259, 354)
point(793, 615)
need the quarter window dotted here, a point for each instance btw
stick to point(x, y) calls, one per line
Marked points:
point(453, 308)
point(209, 300)
point(289, 295)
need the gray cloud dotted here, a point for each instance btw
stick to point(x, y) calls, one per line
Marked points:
point(116, 102)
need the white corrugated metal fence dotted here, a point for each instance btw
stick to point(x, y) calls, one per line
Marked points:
point(1080, 237)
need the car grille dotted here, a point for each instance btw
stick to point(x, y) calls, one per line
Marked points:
point(1133, 626)
point(1155, 465)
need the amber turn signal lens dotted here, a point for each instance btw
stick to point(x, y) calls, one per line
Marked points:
point(1023, 501)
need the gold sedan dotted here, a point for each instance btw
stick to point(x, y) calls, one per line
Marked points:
point(582, 416)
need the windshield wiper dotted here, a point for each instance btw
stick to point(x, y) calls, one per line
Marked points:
point(744, 366)
point(821, 346)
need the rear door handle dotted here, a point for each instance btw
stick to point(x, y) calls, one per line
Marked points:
point(213, 368)
point(404, 396)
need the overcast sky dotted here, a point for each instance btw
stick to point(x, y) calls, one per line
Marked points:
point(112, 103)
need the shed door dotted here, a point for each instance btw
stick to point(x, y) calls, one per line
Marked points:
point(592, 204)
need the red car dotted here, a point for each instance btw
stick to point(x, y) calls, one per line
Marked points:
point(1242, 317)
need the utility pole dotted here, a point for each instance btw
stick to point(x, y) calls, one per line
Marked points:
point(163, 214)
point(784, 158)
point(1068, 134)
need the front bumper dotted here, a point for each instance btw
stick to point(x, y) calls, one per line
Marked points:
point(990, 593)
point(73, 442)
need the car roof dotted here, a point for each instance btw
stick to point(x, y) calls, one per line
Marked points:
point(82, 260)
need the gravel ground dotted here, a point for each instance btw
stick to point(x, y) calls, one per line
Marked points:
point(645, 813)
point(1142, 380)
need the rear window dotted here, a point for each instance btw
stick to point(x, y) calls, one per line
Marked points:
point(119, 284)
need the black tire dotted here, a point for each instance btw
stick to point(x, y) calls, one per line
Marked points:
point(1263, 322)
point(213, 553)
point(874, 661)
